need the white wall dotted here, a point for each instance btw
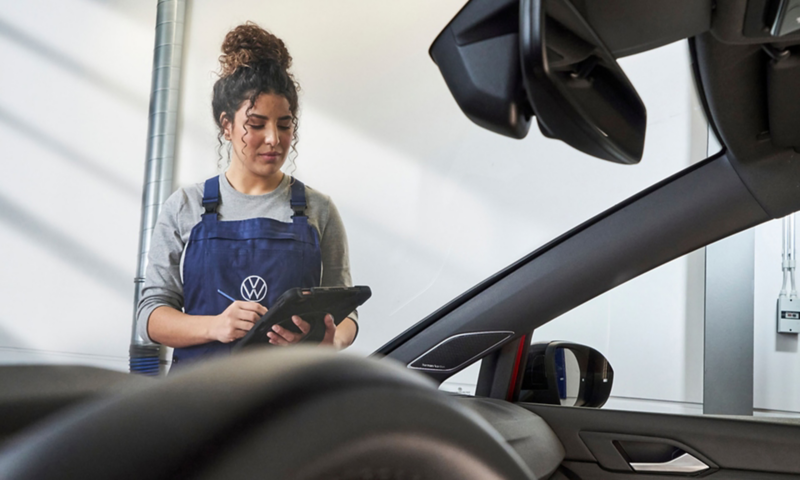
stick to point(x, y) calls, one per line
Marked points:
point(776, 366)
point(74, 90)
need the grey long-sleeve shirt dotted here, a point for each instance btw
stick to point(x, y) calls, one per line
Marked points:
point(182, 211)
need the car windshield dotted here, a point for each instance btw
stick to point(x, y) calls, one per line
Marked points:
point(432, 203)
point(173, 174)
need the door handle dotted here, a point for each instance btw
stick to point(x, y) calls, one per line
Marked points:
point(683, 464)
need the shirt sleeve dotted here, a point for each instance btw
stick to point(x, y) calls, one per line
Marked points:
point(163, 285)
point(335, 254)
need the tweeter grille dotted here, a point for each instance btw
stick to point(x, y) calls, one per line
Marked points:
point(457, 350)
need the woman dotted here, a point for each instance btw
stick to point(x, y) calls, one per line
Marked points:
point(244, 237)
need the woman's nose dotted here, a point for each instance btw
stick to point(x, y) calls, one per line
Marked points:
point(271, 137)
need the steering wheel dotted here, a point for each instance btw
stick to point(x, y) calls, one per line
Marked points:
point(298, 413)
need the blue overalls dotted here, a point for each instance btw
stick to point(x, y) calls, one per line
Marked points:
point(253, 260)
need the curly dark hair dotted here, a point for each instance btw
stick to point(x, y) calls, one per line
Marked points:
point(253, 62)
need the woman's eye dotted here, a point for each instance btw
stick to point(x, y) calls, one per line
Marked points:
point(284, 127)
point(255, 127)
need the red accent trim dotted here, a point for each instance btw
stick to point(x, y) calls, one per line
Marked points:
point(512, 385)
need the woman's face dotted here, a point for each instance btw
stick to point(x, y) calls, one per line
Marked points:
point(262, 137)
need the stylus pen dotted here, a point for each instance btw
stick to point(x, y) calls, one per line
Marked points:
point(226, 295)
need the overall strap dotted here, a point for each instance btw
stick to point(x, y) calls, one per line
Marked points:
point(211, 198)
point(298, 201)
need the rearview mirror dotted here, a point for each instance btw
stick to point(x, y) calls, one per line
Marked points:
point(506, 61)
point(579, 93)
point(562, 373)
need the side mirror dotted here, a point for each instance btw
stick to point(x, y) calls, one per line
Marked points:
point(579, 93)
point(562, 373)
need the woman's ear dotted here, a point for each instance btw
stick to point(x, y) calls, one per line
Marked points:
point(227, 126)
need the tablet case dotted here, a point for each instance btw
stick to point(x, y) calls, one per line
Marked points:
point(311, 304)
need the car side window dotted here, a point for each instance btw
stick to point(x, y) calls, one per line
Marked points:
point(652, 330)
point(463, 382)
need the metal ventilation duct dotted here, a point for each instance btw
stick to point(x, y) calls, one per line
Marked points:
point(161, 140)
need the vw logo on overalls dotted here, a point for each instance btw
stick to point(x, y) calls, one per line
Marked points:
point(254, 288)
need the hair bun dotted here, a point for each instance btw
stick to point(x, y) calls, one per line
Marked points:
point(249, 44)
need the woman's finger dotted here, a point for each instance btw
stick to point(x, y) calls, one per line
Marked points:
point(237, 334)
point(243, 325)
point(330, 330)
point(276, 339)
point(301, 324)
point(253, 307)
point(285, 334)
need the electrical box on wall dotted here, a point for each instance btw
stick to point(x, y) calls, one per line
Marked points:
point(788, 315)
point(788, 302)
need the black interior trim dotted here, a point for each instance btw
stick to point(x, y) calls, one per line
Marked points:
point(734, 81)
point(628, 27)
point(31, 393)
point(730, 23)
point(495, 379)
point(701, 94)
point(525, 432)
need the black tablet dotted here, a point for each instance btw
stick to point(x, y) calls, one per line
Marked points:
point(311, 304)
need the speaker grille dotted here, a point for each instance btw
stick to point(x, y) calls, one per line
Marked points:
point(458, 350)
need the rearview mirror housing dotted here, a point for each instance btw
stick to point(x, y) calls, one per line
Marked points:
point(478, 56)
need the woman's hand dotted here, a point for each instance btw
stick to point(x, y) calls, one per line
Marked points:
point(283, 337)
point(236, 321)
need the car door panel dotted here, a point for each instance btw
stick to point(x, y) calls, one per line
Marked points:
point(733, 447)
point(593, 471)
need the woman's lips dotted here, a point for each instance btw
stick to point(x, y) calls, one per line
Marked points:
point(269, 156)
